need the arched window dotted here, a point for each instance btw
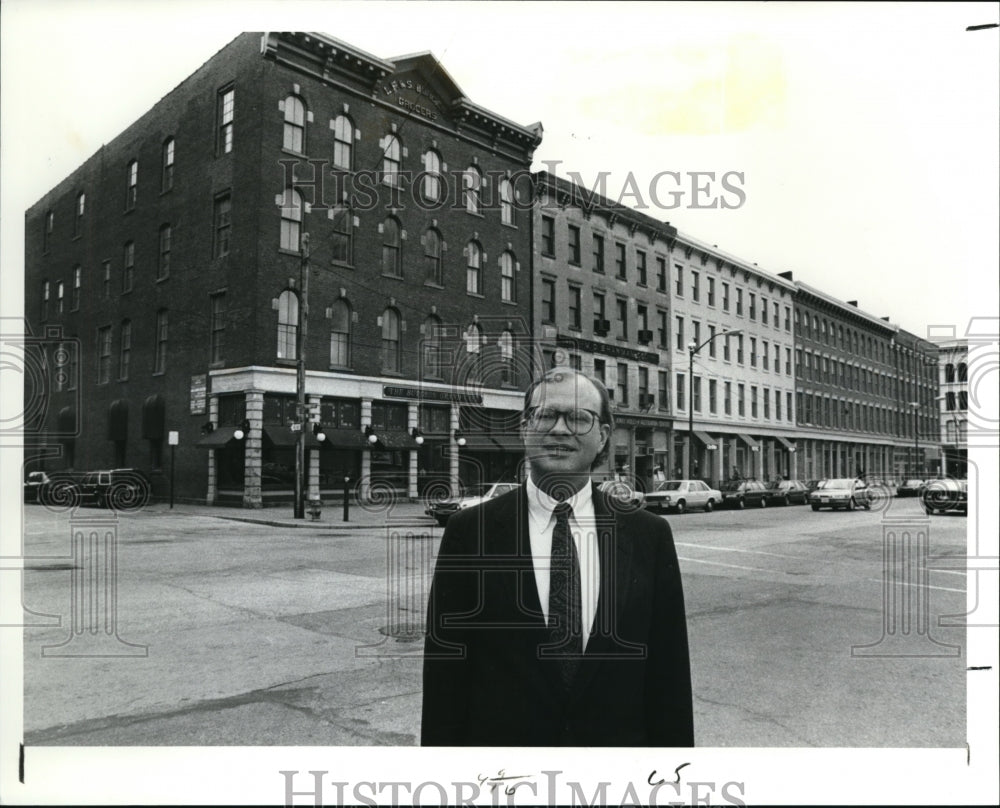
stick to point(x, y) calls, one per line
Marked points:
point(295, 124)
point(390, 340)
point(472, 183)
point(432, 252)
point(288, 324)
point(391, 263)
point(473, 268)
point(392, 158)
point(342, 238)
point(949, 372)
point(963, 372)
point(506, 202)
point(432, 176)
point(291, 220)
point(343, 142)
point(432, 346)
point(508, 290)
point(167, 165)
point(340, 334)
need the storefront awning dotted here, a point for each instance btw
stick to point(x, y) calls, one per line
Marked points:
point(748, 440)
point(284, 437)
point(479, 442)
point(395, 440)
point(345, 439)
point(787, 444)
point(217, 438)
point(708, 440)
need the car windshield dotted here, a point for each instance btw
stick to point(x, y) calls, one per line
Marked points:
point(733, 485)
point(778, 484)
point(838, 484)
point(669, 485)
point(913, 482)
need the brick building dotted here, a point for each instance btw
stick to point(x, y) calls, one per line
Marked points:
point(174, 264)
point(953, 379)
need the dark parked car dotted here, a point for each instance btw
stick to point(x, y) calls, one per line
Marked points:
point(740, 493)
point(946, 495)
point(844, 492)
point(787, 492)
point(33, 483)
point(910, 488)
point(121, 489)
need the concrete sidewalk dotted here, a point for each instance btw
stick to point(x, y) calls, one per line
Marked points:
point(360, 517)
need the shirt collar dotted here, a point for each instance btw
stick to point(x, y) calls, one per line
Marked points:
point(541, 505)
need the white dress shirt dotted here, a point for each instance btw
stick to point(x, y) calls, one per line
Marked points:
point(582, 525)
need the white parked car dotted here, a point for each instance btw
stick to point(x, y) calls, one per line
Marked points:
point(443, 509)
point(681, 495)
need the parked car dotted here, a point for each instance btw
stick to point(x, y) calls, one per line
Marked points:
point(681, 495)
point(786, 492)
point(443, 509)
point(740, 493)
point(33, 483)
point(621, 490)
point(121, 489)
point(910, 488)
point(945, 495)
point(843, 492)
point(58, 489)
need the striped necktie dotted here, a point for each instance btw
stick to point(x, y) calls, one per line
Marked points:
point(565, 609)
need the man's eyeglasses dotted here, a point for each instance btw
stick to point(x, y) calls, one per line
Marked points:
point(579, 422)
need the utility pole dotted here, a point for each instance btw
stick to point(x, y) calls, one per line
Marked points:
point(300, 381)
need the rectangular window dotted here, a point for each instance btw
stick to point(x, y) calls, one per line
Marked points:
point(642, 315)
point(696, 332)
point(226, 108)
point(131, 184)
point(711, 341)
point(125, 357)
point(739, 302)
point(777, 405)
point(574, 245)
point(104, 354)
point(725, 348)
point(740, 400)
point(599, 311)
point(621, 270)
point(59, 297)
point(788, 406)
point(774, 310)
point(765, 354)
point(548, 236)
point(661, 329)
point(600, 371)
point(788, 318)
point(223, 225)
point(661, 389)
point(767, 402)
point(695, 285)
point(679, 280)
point(576, 362)
point(727, 398)
point(777, 359)
point(712, 390)
point(160, 357)
point(753, 306)
point(50, 223)
point(679, 396)
point(679, 336)
point(342, 243)
point(575, 318)
point(640, 266)
point(753, 401)
point(77, 280)
point(661, 274)
point(725, 296)
point(106, 279)
point(643, 385)
point(128, 267)
point(598, 253)
point(622, 311)
point(218, 303)
point(548, 300)
point(623, 383)
point(710, 292)
point(739, 348)
point(163, 265)
point(696, 393)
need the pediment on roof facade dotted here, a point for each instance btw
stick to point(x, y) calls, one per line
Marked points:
point(419, 84)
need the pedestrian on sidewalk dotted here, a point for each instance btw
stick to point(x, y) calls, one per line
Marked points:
point(556, 614)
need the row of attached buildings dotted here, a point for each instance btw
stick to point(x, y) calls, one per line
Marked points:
point(298, 198)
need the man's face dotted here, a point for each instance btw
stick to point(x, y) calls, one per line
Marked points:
point(559, 450)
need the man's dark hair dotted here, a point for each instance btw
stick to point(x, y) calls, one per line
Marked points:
point(606, 415)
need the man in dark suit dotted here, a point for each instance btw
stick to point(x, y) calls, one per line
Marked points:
point(556, 614)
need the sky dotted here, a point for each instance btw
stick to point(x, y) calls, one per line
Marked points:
point(863, 137)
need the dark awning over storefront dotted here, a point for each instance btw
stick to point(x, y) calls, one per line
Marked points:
point(396, 440)
point(787, 444)
point(284, 437)
point(217, 438)
point(479, 442)
point(345, 439)
point(708, 440)
point(748, 440)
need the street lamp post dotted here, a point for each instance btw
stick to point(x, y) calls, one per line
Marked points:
point(916, 438)
point(299, 511)
point(692, 350)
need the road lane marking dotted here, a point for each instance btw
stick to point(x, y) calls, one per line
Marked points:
point(735, 550)
point(721, 564)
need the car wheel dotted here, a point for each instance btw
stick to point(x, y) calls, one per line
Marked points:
point(740, 503)
point(786, 501)
point(850, 504)
point(868, 504)
point(710, 505)
point(681, 506)
point(815, 507)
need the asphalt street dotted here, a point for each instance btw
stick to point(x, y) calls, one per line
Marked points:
point(222, 632)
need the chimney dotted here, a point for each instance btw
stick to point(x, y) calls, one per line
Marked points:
point(786, 275)
point(852, 303)
point(886, 319)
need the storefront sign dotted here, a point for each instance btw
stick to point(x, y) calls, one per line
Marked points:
point(420, 94)
point(199, 391)
point(638, 420)
point(431, 395)
point(616, 351)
